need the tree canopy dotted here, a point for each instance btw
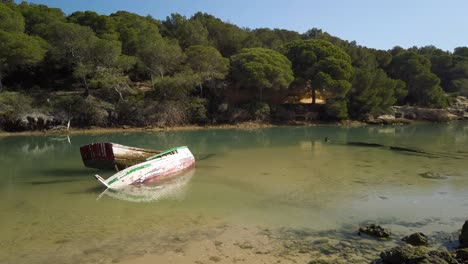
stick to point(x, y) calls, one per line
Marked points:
point(12, 21)
point(39, 16)
point(16, 48)
point(189, 32)
point(140, 70)
point(207, 63)
point(423, 86)
point(262, 69)
point(325, 67)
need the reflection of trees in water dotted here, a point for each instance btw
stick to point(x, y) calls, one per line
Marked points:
point(453, 135)
point(450, 136)
point(218, 140)
point(36, 149)
point(27, 146)
point(228, 139)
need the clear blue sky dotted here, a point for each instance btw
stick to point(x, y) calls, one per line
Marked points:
point(380, 24)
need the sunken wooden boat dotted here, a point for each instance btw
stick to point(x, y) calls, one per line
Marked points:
point(160, 166)
point(107, 155)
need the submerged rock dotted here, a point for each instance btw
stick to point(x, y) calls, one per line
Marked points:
point(433, 175)
point(375, 231)
point(464, 236)
point(416, 239)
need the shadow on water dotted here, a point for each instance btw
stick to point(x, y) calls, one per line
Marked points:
point(402, 150)
point(63, 172)
point(209, 167)
point(204, 156)
point(51, 182)
point(93, 190)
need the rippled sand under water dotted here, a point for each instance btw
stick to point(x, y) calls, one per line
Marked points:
point(260, 196)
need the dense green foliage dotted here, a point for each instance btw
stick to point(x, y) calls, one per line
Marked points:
point(188, 32)
point(207, 64)
point(259, 68)
point(129, 69)
point(325, 67)
point(423, 86)
point(374, 92)
point(13, 104)
point(12, 21)
point(16, 48)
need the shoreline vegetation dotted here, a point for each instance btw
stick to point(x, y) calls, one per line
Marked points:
point(401, 116)
point(124, 69)
point(126, 129)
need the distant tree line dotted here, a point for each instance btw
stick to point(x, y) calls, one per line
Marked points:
point(126, 69)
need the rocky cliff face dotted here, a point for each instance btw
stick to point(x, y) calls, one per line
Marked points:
point(32, 121)
point(459, 107)
point(457, 110)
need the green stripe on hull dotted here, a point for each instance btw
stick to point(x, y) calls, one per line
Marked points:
point(165, 153)
point(130, 172)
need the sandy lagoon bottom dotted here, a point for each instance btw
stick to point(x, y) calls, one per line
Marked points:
point(276, 195)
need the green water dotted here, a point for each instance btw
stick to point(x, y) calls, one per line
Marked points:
point(52, 210)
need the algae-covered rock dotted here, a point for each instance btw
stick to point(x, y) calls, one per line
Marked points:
point(440, 257)
point(464, 236)
point(416, 255)
point(416, 239)
point(401, 254)
point(462, 255)
point(375, 231)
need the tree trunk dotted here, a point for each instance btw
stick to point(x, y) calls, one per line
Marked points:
point(86, 93)
point(314, 95)
point(201, 90)
point(1, 84)
point(116, 88)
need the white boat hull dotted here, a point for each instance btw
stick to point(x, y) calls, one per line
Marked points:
point(173, 189)
point(165, 164)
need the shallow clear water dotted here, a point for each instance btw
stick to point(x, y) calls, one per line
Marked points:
point(53, 211)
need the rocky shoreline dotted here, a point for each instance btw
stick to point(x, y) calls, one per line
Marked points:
point(417, 251)
point(458, 110)
point(39, 124)
point(247, 244)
